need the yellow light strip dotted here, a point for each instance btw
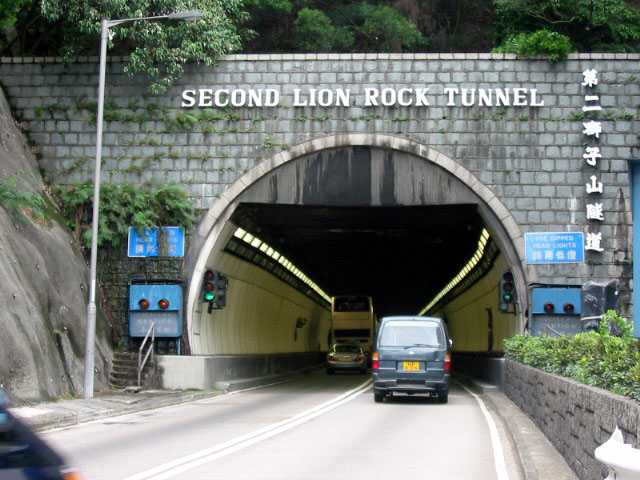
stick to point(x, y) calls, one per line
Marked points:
point(475, 259)
point(255, 242)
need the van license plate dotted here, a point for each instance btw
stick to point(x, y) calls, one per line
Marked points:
point(411, 365)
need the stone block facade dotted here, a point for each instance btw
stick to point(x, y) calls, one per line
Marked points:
point(576, 418)
point(529, 153)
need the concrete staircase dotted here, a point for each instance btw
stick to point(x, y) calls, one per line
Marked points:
point(124, 372)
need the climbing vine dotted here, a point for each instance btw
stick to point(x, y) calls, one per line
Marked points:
point(122, 206)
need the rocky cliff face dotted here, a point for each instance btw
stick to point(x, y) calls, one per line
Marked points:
point(43, 294)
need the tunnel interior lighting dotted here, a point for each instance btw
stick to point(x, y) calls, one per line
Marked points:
point(471, 264)
point(269, 251)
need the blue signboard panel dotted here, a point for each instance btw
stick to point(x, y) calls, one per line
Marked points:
point(145, 307)
point(554, 247)
point(557, 319)
point(146, 244)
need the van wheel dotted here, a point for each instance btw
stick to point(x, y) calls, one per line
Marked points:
point(443, 398)
point(378, 397)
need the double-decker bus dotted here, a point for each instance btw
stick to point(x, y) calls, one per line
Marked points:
point(353, 321)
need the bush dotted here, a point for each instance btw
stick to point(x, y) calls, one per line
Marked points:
point(552, 45)
point(595, 358)
point(122, 206)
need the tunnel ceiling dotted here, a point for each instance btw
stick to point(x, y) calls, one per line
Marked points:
point(402, 256)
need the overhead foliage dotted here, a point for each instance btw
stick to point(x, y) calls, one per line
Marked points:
point(341, 26)
point(602, 25)
point(122, 206)
point(158, 48)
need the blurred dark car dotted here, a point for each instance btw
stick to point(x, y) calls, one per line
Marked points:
point(346, 356)
point(23, 455)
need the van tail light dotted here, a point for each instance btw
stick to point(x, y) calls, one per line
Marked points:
point(375, 361)
point(332, 358)
point(447, 362)
point(71, 474)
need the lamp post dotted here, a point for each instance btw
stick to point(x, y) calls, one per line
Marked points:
point(191, 15)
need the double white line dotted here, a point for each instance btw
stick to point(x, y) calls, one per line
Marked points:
point(170, 469)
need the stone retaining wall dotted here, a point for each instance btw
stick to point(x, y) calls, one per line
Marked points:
point(576, 418)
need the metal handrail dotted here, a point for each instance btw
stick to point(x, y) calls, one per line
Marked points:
point(547, 328)
point(141, 362)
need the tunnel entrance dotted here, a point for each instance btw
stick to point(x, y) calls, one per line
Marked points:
point(398, 255)
point(369, 215)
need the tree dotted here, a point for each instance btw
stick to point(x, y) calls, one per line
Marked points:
point(314, 32)
point(386, 30)
point(602, 25)
point(157, 48)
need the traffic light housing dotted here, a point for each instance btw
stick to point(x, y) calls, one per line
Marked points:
point(213, 289)
point(507, 291)
point(208, 287)
point(221, 290)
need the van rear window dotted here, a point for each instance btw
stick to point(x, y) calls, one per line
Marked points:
point(401, 333)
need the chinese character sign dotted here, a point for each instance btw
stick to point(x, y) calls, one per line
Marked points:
point(156, 242)
point(555, 247)
point(592, 129)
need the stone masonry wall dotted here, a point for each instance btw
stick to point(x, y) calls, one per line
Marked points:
point(531, 157)
point(576, 418)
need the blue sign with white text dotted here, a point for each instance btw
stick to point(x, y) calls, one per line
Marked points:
point(147, 244)
point(554, 247)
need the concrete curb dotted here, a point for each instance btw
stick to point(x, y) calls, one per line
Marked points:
point(525, 462)
point(60, 419)
point(66, 413)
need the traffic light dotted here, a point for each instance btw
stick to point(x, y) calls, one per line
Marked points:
point(221, 290)
point(208, 287)
point(507, 291)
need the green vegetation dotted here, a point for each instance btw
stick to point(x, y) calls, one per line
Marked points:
point(596, 358)
point(161, 48)
point(590, 26)
point(18, 200)
point(552, 45)
point(122, 206)
point(157, 48)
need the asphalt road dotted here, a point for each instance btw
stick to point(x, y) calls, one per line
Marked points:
point(316, 427)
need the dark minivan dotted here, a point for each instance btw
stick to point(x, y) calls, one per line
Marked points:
point(412, 355)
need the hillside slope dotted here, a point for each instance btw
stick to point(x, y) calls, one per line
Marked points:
point(43, 294)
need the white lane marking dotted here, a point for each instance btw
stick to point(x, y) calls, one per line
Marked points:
point(170, 469)
point(498, 453)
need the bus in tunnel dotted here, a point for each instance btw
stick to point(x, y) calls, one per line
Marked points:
point(353, 320)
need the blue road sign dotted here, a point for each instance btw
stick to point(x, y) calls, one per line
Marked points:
point(167, 315)
point(554, 247)
point(147, 244)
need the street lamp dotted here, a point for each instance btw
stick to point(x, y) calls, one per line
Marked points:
point(191, 15)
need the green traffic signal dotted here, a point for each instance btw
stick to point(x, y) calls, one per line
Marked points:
point(507, 297)
point(209, 296)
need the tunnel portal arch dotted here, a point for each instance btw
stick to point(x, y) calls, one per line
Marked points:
point(280, 179)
